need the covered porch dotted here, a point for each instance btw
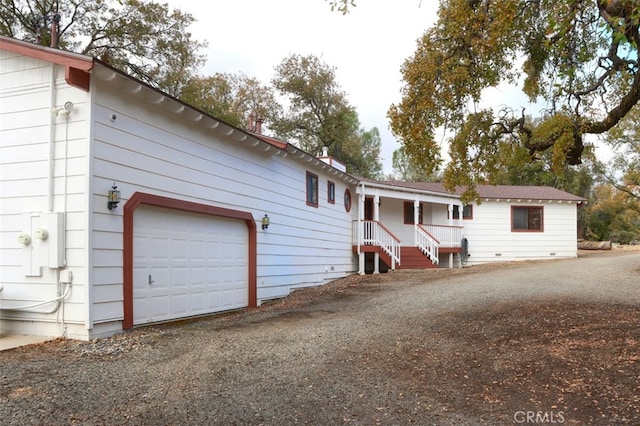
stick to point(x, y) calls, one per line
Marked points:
point(407, 229)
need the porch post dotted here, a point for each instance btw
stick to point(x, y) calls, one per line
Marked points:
point(361, 255)
point(461, 215)
point(450, 216)
point(416, 219)
point(376, 207)
point(376, 218)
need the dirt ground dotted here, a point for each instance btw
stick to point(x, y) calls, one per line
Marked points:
point(362, 350)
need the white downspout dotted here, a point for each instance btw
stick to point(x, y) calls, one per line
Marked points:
point(360, 217)
point(52, 136)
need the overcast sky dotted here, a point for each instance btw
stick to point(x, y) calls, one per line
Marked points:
point(366, 47)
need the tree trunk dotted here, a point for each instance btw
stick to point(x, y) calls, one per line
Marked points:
point(594, 245)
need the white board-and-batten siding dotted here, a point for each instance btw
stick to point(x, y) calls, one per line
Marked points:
point(491, 238)
point(150, 149)
point(31, 91)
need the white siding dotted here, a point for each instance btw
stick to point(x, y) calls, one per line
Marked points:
point(146, 148)
point(151, 150)
point(492, 240)
point(27, 124)
point(392, 217)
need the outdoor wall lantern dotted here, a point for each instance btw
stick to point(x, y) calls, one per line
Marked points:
point(265, 221)
point(113, 197)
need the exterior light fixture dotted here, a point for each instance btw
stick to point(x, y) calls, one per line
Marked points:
point(265, 221)
point(64, 110)
point(113, 197)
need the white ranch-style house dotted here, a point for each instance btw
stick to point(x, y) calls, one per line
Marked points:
point(121, 206)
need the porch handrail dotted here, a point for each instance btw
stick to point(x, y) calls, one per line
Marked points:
point(376, 234)
point(447, 235)
point(389, 243)
point(427, 244)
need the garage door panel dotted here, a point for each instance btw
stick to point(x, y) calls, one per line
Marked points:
point(181, 276)
point(160, 306)
point(199, 264)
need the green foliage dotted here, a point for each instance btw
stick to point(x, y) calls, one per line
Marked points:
point(625, 140)
point(142, 38)
point(407, 170)
point(319, 115)
point(232, 98)
point(579, 59)
point(613, 216)
point(362, 156)
point(342, 6)
point(613, 212)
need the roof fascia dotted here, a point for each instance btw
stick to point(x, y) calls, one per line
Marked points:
point(77, 66)
point(394, 188)
point(268, 145)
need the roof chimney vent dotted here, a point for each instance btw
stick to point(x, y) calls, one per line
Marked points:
point(254, 123)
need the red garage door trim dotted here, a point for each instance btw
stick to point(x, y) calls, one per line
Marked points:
point(139, 198)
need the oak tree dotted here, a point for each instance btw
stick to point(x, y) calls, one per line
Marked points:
point(237, 99)
point(142, 38)
point(625, 165)
point(317, 114)
point(576, 60)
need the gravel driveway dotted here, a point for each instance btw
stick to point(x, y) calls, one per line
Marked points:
point(482, 345)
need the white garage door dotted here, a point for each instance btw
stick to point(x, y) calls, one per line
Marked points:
point(187, 264)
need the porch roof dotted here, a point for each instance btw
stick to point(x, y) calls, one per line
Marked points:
point(491, 191)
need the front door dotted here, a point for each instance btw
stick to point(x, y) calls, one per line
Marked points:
point(368, 208)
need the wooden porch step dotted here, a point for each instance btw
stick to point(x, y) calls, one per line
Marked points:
point(375, 249)
point(413, 258)
point(410, 257)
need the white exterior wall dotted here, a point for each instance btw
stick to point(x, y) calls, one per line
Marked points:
point(392, 217)
point(151, 150)
point(491, 239)
point(33, 141)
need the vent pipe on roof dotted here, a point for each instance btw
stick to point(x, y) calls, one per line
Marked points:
point(254, 123)
point(325, 151)
point(55, 21)
point(250, 122)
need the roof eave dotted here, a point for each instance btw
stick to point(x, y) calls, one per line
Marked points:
point(77, 67)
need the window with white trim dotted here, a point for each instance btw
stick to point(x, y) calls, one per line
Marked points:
point(467, 212)
point(312, 189)
point(409, 213)
point(331, 192)
point(527, 219)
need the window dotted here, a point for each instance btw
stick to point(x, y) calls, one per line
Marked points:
point(467, 212)
point(331, 192)
point(347, 200)
point(408, 213)
point(528, 219)
point(312, 189)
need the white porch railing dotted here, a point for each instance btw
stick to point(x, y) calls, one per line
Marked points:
point(375, 234)
point(447, 236)
point(427, 244)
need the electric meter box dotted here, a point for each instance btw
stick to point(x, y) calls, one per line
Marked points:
point(53, 223)
point(43, 242)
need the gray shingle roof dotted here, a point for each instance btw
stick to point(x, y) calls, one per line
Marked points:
point(495, 191)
